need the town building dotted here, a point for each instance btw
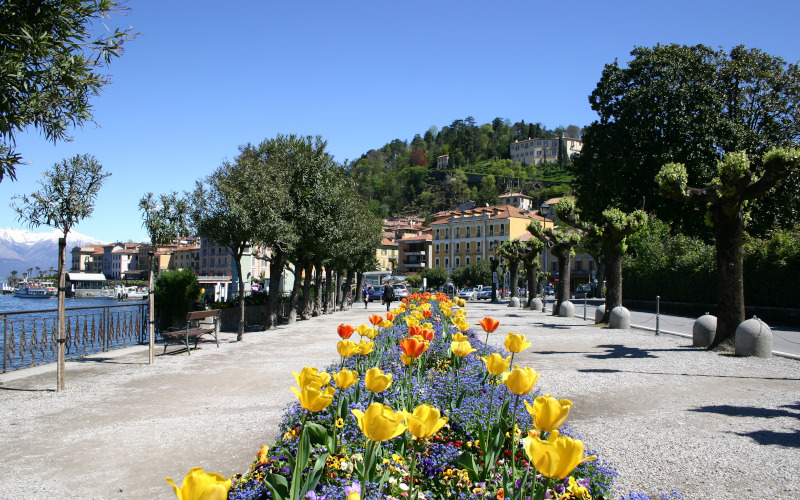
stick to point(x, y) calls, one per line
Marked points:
point(442, 161)
point(539, 150)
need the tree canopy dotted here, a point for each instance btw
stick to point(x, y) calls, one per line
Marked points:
point(688, 105)
point(49, 67)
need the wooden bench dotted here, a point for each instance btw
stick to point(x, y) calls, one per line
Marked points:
point(193, 329)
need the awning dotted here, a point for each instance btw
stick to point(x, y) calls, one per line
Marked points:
point(86, 276)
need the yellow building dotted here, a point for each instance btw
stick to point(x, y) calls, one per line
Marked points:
point(539, 150)
point(387, 255)
point(461, 238)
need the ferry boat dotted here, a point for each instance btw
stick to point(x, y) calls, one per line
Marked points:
point(127, 293)
point(32, 292)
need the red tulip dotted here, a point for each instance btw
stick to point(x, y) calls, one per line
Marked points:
point(489, 324)
point(345, 331)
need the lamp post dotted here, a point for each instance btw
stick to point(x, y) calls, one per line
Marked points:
point(544, 211)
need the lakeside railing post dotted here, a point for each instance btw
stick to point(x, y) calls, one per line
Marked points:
point(5, 341)
point(658, 315)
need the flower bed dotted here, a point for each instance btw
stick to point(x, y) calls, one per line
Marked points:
point(421, 407)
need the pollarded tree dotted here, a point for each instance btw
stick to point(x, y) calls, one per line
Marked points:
point(512, 252)
point(613, 228)
point(66, 197)
point(50, 67)
point(166, 218)
point(530, 251)
point(727, 197)
point(562, 242)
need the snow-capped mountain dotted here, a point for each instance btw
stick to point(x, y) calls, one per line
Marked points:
point(21, 250)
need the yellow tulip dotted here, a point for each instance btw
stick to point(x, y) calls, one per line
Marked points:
point(385, 324)
point(447, 312)
point(516, 342)
point(380, 423)
point(461, 313)
point(310, 374)
point(549, 413)
point(461, 324)
point(412, 322)
point(520, 380)
point(425, 421)
point(313, 398)
point(199, 484)
point(345, 378)
point(376, 380)
point(556, 457)
point(365, 347)
point(496, 364)
point(407, 360)
point(461, 349)
point(366, 331)
point(459, 337)
point(427, 325)
point(347, 348)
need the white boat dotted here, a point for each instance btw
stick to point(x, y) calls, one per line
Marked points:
point(33, 292)
point(128, 293)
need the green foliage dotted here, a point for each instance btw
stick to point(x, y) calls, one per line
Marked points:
point(436, 276)
point(50, 67)
point(685, 105)
point(165, 218)
point(475, 273)
point(175, 290)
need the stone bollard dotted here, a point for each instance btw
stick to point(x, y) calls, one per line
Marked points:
point(536, 304)
point(514, 302)
point(704, 330)
point(753, 338)
point(620, 318)
point(566, 309)
point(599, 313)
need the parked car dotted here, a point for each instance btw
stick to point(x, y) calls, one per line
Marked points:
point(465, 293)
point(548, 290)
point(583, 290)
point(400, 292)
point(376, 293)
point(485, 293)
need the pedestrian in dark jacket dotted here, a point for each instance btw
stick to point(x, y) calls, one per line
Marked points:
point(388, 295)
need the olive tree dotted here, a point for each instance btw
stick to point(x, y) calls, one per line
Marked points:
point(67, 196)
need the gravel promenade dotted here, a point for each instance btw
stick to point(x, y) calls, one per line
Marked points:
point(711, 426)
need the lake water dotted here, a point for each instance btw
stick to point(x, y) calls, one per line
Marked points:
point(124, 320)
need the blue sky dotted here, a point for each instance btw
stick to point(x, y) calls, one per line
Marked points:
point(205, 77)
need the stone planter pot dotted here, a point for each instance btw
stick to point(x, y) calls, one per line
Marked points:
point(599, 313)
point(704, 330)
point(753, 338)
point(513, 302)
point(620, 318)
point(536, 304)
point(566, 309)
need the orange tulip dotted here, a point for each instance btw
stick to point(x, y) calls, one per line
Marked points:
point(489, 324)
point(390, 316)
point(412, 347)
point(427, 313)
point(345, 331)
point(414, 330)
point(427, 334)
point(375, 319)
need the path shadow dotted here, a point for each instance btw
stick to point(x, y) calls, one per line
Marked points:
point(611, 370)
point(785, 439)
point(618, 351)
point(747, 411)
point(105, 360)
point(553, 327)
point(3, 388)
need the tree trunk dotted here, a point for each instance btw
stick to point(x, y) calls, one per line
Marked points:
point(330, 291)
point(729, 237)
point(563, 277)
point(278, 260)
point(349, 286)
point(305, 304)
point(294, 300)
point(317, 303)
point(530, 272)
point(62, 314)
point(151, 302)
point(613, 267)
point(513, 270)
point(238, 261)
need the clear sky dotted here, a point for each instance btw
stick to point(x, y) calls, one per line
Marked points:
point(205, 77)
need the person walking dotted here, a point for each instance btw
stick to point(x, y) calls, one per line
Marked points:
point(388, 295)
point(365, 294)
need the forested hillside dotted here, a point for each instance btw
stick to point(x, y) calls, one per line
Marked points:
point(402, 178)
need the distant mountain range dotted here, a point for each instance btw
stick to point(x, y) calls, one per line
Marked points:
point(21, 250)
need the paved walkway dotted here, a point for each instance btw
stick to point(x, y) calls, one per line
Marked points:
point(122, 425)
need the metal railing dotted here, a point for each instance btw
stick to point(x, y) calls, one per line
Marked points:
point(30, 337)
